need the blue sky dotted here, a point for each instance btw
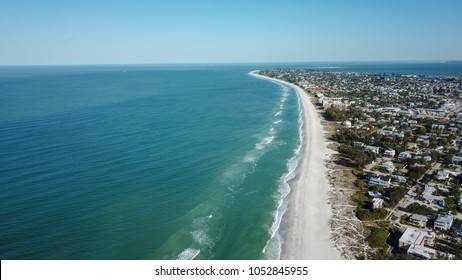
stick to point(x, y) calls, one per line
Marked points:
point(201, 31)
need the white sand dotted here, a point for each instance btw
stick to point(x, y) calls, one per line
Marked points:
point(308, 215)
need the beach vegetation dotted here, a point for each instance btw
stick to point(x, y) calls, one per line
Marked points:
point(357, 157)
point(361, 184)
point(394, 195)
point(358, 173)
point(421, 209)
point(378, 238)
point(335, 114)
point(365, 213)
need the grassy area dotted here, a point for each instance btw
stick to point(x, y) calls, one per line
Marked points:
point(378, 238)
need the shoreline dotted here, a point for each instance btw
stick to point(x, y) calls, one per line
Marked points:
point(309, 211)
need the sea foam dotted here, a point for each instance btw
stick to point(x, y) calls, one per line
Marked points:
point(188, 254)
point(273, 247)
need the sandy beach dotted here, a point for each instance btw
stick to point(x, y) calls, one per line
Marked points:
point(309, 212)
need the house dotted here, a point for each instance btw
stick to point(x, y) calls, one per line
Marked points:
point(389, 153)
point(444, 222)
point(373, 149)
point(400, 179)
point(399, 135)
point(440, 201)
point(383, 181)
point(375, 194)
point(386, 132)
point(389, 166)
point(442, 175)
point(427, 194)
point(427, 158)
point(418, 237)
point(412, 146)
point(457, 159)
point(419, 220)
point(370, 119)
point(377, 203)
point(437, 127)
point(422, 252)
point(346, 124)
point(357, 144)
point(457, 228)
point(404, 155)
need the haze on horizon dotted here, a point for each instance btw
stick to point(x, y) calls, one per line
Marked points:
point(206, 31)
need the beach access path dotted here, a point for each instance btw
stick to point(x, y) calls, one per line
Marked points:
point(309, 211)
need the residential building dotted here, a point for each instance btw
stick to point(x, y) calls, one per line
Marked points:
point(383, 181)
point(457, 159)
point(413, 241)
point(389, 166)
point(419, 220)
point(413, 236)
point(389, 153)
point(377, 203)
point(442, 175)
point(346, 124)
point(373, 149)
point(357, 144)
point(412, 146)
point(444, 222)
point(404, 155)
point(422, 252)
point(400, 179)
point(375, 194)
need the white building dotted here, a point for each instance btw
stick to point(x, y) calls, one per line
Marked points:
point(389, 166)
point(442, 175)
point(389, 153)
point(404, 155)
point(383, 181)
point(419, 220)
point(413, 236)
point(373, 149)
point(444, 222)
point(377, 203)
point(357, 144)
point(375, 194)
point(413, 241)
point(346, 124)
point(422, 252)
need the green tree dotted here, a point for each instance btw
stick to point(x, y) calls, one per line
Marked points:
point(378, 238)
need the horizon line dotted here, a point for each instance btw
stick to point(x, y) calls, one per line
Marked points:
point(236, 63)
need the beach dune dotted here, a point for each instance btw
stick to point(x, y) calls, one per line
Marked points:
point(308, 215)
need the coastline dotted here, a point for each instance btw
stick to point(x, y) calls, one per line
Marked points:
point(309, 212)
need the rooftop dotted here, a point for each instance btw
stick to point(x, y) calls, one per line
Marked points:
point(414, 236)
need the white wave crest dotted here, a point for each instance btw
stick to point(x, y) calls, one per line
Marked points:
point(188, 254)
point(273, 247)
point(278, 113)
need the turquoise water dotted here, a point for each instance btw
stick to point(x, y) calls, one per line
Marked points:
point(135, 162)
point(150, 162)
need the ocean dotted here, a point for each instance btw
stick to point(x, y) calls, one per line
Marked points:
point(151, 161)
